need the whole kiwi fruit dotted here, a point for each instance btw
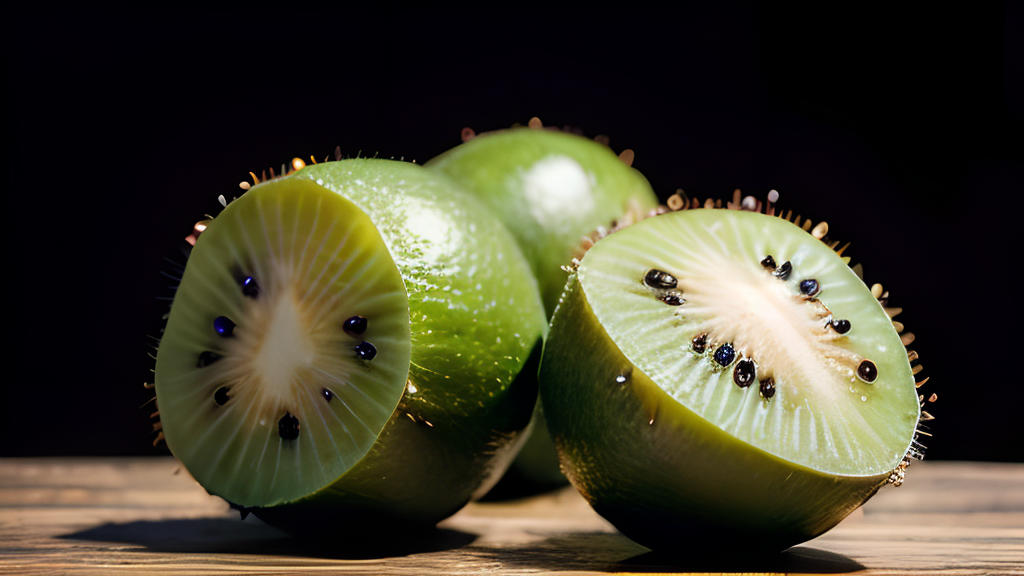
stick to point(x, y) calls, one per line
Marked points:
point(343, 353)
point(552, 189)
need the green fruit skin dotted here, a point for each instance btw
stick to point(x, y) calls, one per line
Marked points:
point(453, 437)
point(679, 482)
point(494, 167)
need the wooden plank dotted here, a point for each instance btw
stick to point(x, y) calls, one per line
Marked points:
point(147, 516)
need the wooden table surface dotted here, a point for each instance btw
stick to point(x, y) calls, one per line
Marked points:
point(147, 516)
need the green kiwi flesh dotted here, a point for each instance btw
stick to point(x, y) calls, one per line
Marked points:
point(452, 311)
point(550, 188)
point(664, 440)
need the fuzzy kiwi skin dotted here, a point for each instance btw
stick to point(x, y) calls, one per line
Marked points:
point(679, 482)
point(453, 436)
point(495, 168)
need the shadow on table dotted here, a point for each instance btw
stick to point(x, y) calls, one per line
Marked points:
point(227, 536)
point(607, 552)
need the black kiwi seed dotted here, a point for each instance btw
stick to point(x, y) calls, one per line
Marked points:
point(328, 395)
point(672, 299)
point(782, 272)
point(355, 325)
point(659, 279)
point(725, 354)
point(744, 373)
point(221, 395)
point(867, 371)
point(768, 262)
point(366, 351)
point(841, 326)
point(767, 388)
point(207, 358)
point(700, 343)
point(224, 326)
point(288, 427)
point(250, 288)
point(810, 287)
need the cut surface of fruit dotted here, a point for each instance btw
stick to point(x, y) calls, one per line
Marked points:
point(287, 347)
point(721, 380)
point(758, 328)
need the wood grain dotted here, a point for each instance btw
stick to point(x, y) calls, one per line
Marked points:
point(147, 516)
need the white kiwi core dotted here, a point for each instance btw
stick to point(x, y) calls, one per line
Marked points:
point(739, 317)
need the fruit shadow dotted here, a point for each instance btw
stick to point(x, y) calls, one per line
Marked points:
point(228, 536)
point(606, 552)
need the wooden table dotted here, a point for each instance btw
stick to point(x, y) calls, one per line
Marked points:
point(147, 516)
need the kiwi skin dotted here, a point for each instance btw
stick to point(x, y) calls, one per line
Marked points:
point(661, 446)
point(458, 424)
point(495, 168)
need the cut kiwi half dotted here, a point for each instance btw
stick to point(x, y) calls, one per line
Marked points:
point(344, 347)
point(722, 379)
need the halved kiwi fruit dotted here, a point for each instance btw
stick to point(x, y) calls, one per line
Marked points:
point(722, 379)
point(343, 350)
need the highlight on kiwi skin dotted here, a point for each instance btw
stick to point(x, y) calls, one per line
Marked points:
point(754, 351)
point(551, 187)
point(320, 358)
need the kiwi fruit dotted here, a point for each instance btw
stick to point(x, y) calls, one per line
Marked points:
point(342, 354)
point(552, 189)
point(722, 379)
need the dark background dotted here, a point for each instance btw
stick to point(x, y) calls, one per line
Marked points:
point(901, 128)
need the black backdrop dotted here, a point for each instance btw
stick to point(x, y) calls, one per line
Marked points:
point(901, 128)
